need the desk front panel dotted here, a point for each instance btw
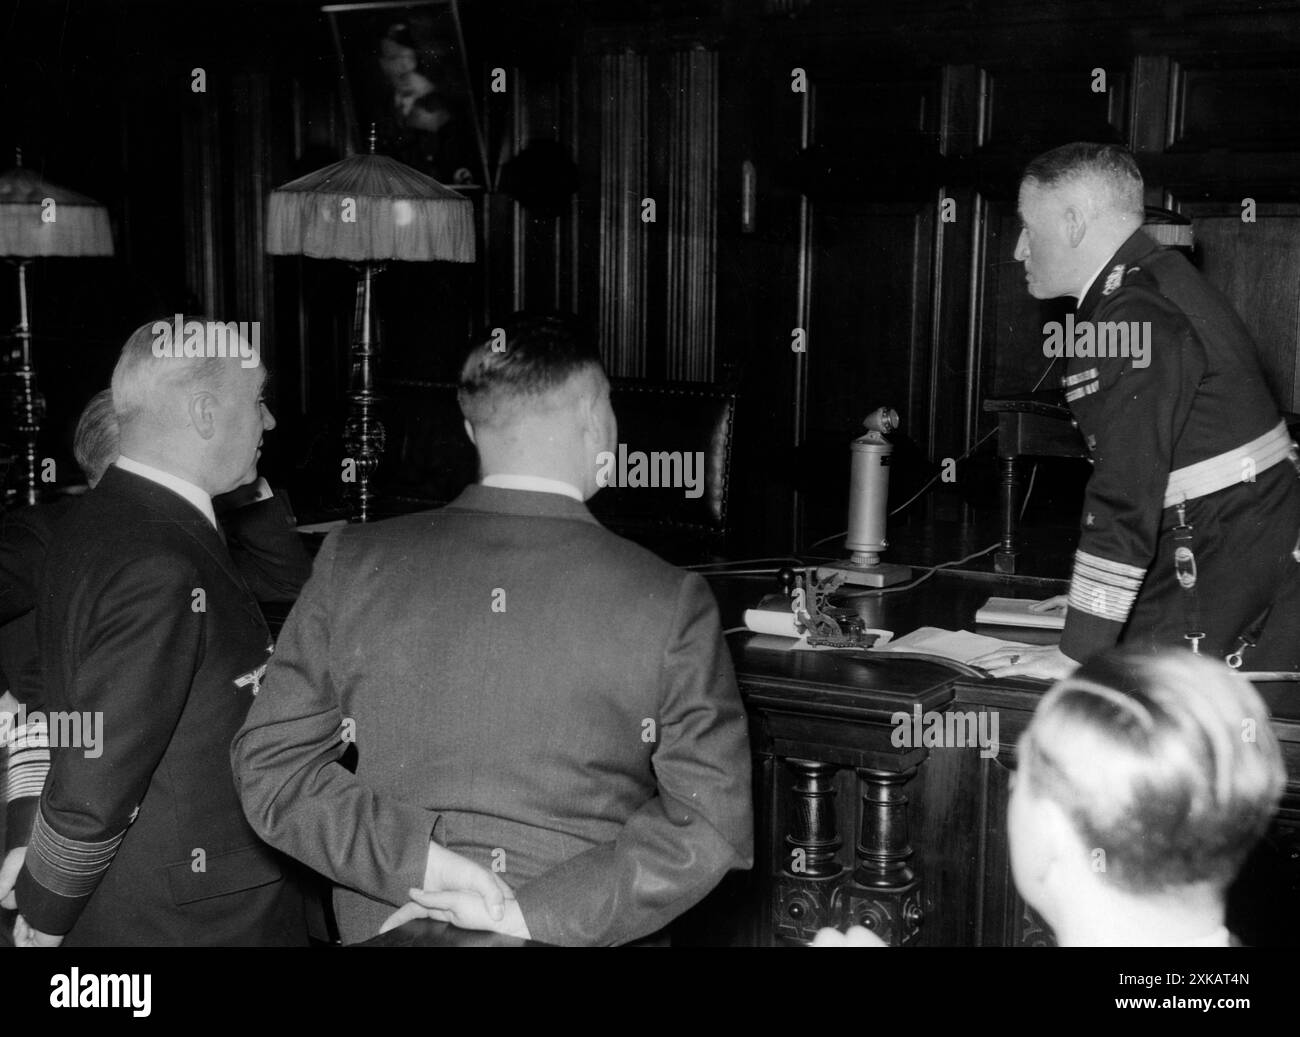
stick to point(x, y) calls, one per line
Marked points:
point(912, 839)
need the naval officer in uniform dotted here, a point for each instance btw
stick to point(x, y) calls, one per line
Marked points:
point(1191, 516)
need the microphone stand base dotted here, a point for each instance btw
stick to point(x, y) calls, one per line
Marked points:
point(882, 574)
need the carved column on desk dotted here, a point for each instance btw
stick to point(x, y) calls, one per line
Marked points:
point(805, 886)
point(1004, 558)
point(885, 895)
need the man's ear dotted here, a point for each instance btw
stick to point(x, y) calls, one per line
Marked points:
point(202, 409)
point(1076, 225)
point(469, 431)
point(591, 416)
point(583, 409)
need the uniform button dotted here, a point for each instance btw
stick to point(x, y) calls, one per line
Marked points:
point(1074, 423)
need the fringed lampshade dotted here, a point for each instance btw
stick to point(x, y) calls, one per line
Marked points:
point(30, 226)
point(368, 210)
point(40, 219)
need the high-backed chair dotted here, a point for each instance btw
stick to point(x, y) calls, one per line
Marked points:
point(431, 459)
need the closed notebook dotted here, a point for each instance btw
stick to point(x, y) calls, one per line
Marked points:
point(1014, 612)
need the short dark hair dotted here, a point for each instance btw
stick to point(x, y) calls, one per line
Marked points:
point(529, 355)
point(1166, 763)
point(1109, 164)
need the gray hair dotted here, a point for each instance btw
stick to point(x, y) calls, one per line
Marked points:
point(147, 377)
point(95, 443)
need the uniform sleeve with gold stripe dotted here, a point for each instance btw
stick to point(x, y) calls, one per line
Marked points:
point(131, 652)
point(1132, 416)
point(24, 776)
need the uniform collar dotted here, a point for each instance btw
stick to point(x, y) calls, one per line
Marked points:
point(1083, 292)
point(123, 489)
point(181, 487)
point(1137, 247)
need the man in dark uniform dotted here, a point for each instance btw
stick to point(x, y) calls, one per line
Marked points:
point(147, 630)
point(1191, 516)
point(265, 547)
point(144, 622)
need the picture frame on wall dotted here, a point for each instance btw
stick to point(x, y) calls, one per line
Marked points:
point(403, 70)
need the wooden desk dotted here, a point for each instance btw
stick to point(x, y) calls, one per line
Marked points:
point(912, 841)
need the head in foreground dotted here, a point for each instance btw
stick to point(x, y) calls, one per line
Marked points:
point(1143, 782)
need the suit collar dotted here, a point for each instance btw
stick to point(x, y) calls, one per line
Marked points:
point(536, 483)
point(1136, 248)
point(525, 503)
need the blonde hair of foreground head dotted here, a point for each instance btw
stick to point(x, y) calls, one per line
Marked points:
point(1167, 763)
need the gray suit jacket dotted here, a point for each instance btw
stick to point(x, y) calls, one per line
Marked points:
point(529, 689)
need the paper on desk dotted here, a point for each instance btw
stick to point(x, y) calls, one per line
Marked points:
point(769, 621)
point(961, 645)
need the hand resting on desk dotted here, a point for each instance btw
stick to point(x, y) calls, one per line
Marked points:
point(1056, 603)
point(1046, 662)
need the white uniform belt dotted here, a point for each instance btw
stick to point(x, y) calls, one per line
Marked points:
point(1239, 465)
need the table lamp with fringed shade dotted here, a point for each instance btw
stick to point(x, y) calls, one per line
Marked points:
point(39, 219)
point(368, 210)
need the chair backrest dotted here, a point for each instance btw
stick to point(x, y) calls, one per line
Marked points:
point(676, 427)
point(431, 459)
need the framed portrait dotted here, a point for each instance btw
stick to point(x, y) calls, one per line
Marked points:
point(404, 71)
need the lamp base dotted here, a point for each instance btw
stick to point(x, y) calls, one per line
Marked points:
point(881, 574)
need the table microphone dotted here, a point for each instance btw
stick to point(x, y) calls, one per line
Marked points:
point(869, 507)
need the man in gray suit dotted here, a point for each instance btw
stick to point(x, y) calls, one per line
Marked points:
point(549, 700)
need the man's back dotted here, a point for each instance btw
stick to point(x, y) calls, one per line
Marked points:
point(149, 628)
point(515, 668)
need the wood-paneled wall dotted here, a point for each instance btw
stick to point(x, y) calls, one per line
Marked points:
point(879, 222)
point(884, 214)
